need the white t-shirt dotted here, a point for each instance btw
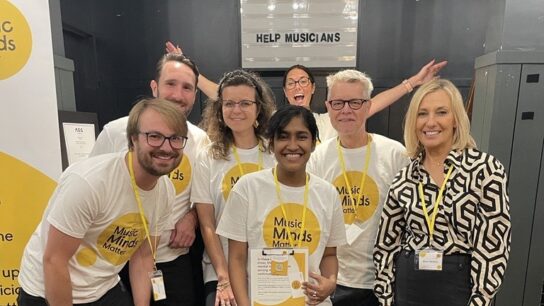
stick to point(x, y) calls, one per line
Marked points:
point(95, 202)
point(113, 138)
point(324, 125)
point(387, 158)
point(252, 214)
point(215, 180)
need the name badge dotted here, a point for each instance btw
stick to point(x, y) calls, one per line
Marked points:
point(429, 259)
point(353, 231)
point(157, 284)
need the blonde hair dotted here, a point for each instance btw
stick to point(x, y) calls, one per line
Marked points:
point(461, 134)
point(350, 76)
point(169, 111)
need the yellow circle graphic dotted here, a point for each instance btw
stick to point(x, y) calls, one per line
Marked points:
point(277, 229)
point(181, 176)
point(233, 175)
point(121, 238)
point(86, 257)
point(24, 193)
point(296, 284)
point(15, 40)
point(366, 203)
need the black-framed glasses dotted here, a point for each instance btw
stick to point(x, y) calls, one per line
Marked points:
point(244, 104)
point(156, 140)
point(354, 104)
point(303, 82)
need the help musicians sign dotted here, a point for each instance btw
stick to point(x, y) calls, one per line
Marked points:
point(314, 33)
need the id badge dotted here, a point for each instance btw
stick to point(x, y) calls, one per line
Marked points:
point(352, 232)
point(157, 283)
point(429, 259)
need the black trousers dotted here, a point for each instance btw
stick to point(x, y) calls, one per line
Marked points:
point(178, 282)
point(210, 289)
point(449, 287)
point(347, 296)
point(117, 296)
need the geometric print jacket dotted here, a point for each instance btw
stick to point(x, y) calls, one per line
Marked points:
point(473, 218)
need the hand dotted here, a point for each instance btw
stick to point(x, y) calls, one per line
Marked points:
point(183, 235)
point(170, 48)
point(318, 291)
point(224, 295)
point(427, 73)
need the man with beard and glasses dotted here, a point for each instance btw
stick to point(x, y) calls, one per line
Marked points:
point(175, 80)
point(106, 210)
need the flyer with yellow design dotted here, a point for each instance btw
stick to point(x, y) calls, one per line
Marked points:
point(277, 275)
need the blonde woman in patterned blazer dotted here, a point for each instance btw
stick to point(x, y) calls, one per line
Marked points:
point(444, 236)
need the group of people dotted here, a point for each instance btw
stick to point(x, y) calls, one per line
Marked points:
point(444, 229)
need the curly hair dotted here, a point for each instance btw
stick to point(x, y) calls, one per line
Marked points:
point(213, 123)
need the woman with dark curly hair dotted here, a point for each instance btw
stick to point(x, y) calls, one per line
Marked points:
point(236, 124)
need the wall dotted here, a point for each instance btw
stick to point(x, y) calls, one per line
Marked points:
point(116, 43)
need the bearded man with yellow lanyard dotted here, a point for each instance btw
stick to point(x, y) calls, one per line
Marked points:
point(106, 210)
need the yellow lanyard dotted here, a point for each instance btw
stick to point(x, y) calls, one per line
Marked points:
point(239, 163)
point(355, 201)
point(430, 221)
point(140, 207)
point(278, 192)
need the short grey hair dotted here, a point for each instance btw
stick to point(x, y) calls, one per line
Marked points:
point(350, 76)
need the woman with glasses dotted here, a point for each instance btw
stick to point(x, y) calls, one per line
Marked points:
point(444, 235)
point(235, 123)
point(299, 87)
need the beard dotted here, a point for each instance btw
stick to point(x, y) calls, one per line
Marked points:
point(157, 167)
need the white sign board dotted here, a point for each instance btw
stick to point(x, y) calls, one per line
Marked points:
point(314, 33)
point(79, 139)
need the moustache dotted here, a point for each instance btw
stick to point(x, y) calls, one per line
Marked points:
point(162, 153)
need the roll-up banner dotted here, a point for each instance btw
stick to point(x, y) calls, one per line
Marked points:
point(30, 157)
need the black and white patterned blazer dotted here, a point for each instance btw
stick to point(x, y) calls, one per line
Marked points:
point(473, 218)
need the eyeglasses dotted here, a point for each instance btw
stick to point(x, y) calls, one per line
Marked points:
point(244, 104)
point(354, 104)
point(303, 82)
point(156, 140)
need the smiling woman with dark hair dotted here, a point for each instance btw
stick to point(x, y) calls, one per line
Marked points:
point(236, 123)
point(286, 193)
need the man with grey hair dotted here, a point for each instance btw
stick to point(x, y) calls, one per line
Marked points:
point(361, 166)
point(105, 211)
